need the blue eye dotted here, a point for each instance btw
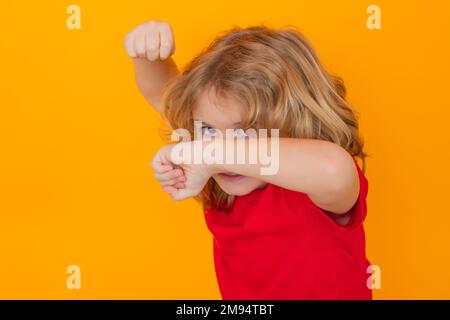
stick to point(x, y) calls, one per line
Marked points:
point(211, 132)
point(240, 133)
point(208, 131)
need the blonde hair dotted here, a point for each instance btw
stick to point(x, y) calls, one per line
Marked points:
point(276, 75)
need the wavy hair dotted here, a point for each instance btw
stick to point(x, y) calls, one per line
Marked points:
point(276, 75)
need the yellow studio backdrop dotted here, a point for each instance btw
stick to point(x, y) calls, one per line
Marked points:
point(77, 140)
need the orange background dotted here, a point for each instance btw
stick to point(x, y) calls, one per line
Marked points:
point(77, 139)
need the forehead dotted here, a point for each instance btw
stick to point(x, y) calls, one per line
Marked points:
point(219, 112)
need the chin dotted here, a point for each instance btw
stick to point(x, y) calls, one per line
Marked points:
point(236, 185)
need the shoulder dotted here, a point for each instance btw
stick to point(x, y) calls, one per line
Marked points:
point(355, 216)
point(300, 204)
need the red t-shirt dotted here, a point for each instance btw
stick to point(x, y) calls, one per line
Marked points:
point(277, 244)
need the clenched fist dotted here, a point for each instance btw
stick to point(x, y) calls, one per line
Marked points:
point(178, 178)
point(152, 40)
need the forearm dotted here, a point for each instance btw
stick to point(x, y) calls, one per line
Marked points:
point(321, 169)
point(152, 77)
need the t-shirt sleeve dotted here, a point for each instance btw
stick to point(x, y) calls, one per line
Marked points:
point(357, 214)
point(359, 210)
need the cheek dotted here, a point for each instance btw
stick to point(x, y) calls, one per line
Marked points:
point(256, 183)
point(246, 185)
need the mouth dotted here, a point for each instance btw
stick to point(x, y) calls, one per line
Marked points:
point(232, 177)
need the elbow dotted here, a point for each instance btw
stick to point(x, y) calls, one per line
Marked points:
point(341, 176)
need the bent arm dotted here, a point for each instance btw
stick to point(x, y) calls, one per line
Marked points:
point(323, 170)
point(152, 77)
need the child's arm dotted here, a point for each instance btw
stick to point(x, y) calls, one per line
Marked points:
point(151, 46)
point(323, 170)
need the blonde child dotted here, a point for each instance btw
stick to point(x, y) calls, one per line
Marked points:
point(295, 234)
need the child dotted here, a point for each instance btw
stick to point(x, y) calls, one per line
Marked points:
point(295, 234)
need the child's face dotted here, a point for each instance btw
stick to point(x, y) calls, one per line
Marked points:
point(221, 115)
